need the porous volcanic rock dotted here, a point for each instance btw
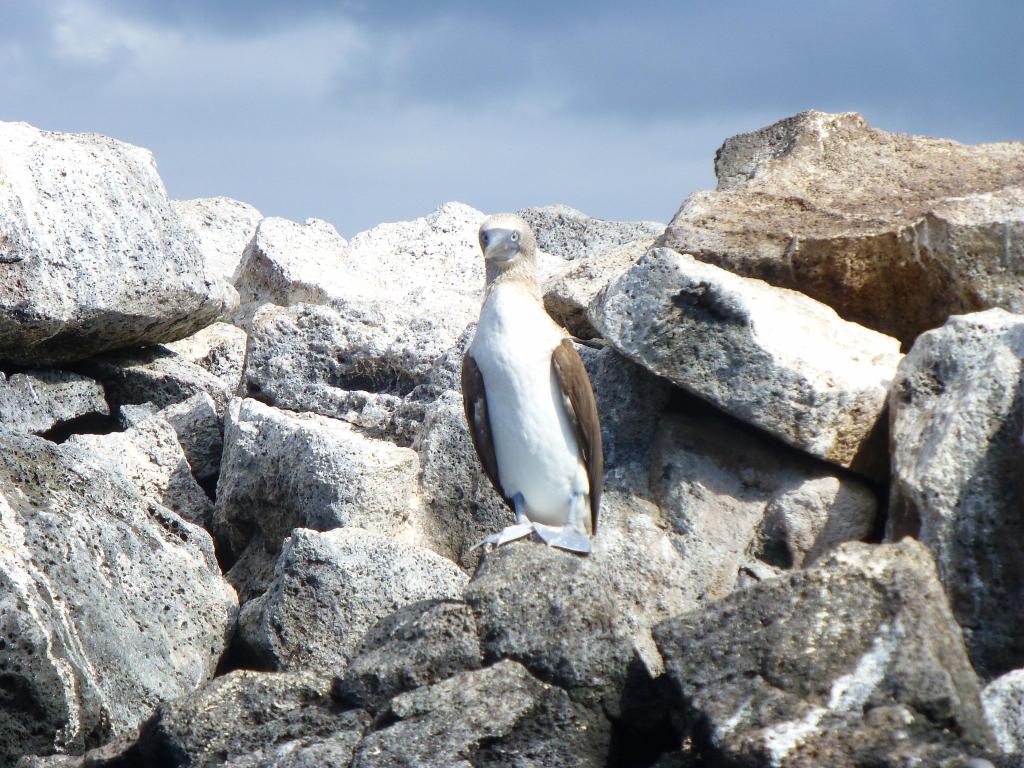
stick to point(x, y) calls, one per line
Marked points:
point(37, 401)
point(222, 227)
point(896, 232)
point(92, 254)
point(957, 417)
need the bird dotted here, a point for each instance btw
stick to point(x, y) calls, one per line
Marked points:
point(529, 403)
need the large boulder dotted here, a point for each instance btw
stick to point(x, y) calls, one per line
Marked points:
point(92, 254)
point(957, 417)
point(38, 401)
point(149, 456)
point(570, 234)
point(500, 715)
point(330, 588)
point(222, 227)
point(857, 662)
point(895, 232)
point(1003, 700)
point(769, 356)
point(109, 604)
point(282, 470)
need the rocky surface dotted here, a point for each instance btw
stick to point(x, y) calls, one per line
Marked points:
point(330, 588)
point(857, 661)
point(730, 613)
point(39, 401)
point(110, 603)
point(896, 232)
point(769, 356)
point(960, 392)
point(222, 227)
point(92, 254)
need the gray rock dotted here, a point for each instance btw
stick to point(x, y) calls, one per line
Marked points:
point(247, 718)
point(553, 612)
point(330, 588)
point(569, 295)
point(149, 457)
point(849, 663)
point(957, 415)
point(109, 605)
point(570, 234)
point(731, 495)
point(418, 645)
point(1003, 700)
point(222, 228)
point(92, 253)
point(282, 470)
point(154, 375)
point(219, 348)
point(38, 401)
point(495, 716)
point(896, 232)
point(287, 263)
point(200, 433)
point(355, 365)
point(771, 357)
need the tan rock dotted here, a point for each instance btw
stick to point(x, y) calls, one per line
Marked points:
point(896, 232)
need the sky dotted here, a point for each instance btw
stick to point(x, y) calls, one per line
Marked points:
point(364, 112)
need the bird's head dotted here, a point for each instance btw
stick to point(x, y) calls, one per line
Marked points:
point(509, 246)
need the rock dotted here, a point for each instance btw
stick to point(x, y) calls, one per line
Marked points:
point(896, 232)
point(419, 644)
point(570, 234)
point(247, 719)
point(197, 426)
point(154, 375)
point(222, 227)
point(1003, 700)
point(283, 470)
point(461, 504)
point(287, 263)
point(849, 663)
point(330, 588)
point(569, 295)
point(355, 365)
point(109, 605)
point(40, 401)
point(957, 415)
point(219, 348)
point(771, 357)
point(92, 255)
point(495, 716)
point(149, 457)
point(552, 611)
point(731, 494)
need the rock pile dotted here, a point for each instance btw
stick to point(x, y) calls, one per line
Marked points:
point(250, 542)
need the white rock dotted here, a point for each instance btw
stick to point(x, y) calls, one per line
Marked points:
point(197, 425)
point(38, 401)
point(330, 588)
point(570, 234)
point(219, 348)
point(769, 356)
point(223, 228)
point(1003, 701)
point(957, 408)
point(93, 255)
point(284, 470)
point(287, 263)
point(109, 603)
point(150, 458)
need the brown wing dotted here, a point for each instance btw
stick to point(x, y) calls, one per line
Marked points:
point(474, 398)
point(579, 395)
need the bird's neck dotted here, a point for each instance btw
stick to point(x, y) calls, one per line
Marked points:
point(522, 273)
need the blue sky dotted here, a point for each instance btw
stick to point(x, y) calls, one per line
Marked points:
point(362, 112)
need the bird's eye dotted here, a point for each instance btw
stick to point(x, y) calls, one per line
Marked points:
point(515, 237)
point(483, 238)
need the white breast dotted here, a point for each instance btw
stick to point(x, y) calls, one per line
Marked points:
point(533, 438)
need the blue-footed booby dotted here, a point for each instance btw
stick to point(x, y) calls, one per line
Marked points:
point(528, 399)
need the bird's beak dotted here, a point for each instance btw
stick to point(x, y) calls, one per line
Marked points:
point(501, 247)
